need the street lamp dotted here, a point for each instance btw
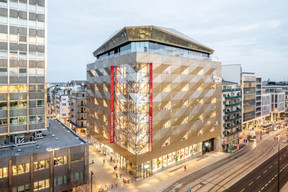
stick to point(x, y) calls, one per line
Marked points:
point(278, 158)
point(91, 179)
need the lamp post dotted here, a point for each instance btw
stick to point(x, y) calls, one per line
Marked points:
point(91, 179)
point(278, 157)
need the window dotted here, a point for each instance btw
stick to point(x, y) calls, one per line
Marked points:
point(3, 172)
point(76, 175)
point(13, 71)
point(32, 120)
point(3, 37)
point(60, 180)
point(60, 160)
point(3, 105)
point(40, 103)
point(22, 71)
point(3, 122)
point(39, 185)
point(21, 168)
point(21, 188)
point(22, 104)
point(22, 120)
point(78, 159)
point(14, 121)
point(3, 88)
point(22, 38)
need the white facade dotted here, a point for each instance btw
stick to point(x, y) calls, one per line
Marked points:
point(266, 104)
point(62, 106)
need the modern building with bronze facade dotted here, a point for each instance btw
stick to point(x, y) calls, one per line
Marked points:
point(154, 98)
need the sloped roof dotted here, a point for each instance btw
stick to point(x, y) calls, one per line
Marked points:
point(156, 34)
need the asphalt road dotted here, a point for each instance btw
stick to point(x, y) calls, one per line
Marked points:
point(265, 177)
point(237, 164)
point(198, 174)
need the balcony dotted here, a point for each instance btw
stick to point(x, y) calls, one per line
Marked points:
point(232, 104)
point(232, 126)
point(233, 97)
point(233, 133)
point(230, 112)
point(83, 105)
point(239, 117)
point(229, 90)
point(82, 112)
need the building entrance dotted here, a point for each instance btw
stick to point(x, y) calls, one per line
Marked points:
point(208, 145)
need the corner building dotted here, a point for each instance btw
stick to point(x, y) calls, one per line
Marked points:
point(153, 99)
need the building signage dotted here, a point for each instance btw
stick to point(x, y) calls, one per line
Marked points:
point(150, 106)
point(112, 106)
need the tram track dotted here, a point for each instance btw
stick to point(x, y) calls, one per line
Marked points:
point(252, 160)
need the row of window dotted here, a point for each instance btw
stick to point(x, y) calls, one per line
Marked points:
point(14, 4)
point(21, 104)
point(22, 188)
point(21, 72)
point(14, 121)
point(22, 55)
point(17, 38)
point(22, 22)
point(3, 172)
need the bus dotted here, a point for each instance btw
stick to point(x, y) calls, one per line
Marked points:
point(252, 136)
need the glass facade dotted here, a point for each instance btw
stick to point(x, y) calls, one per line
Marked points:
point(132, 107)
point(152, 47)
point(22, 66)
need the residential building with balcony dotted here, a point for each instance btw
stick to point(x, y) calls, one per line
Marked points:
point(153, 99)
point(258, 97)
point(277, 102)
point(78, 110)
point(231, 120)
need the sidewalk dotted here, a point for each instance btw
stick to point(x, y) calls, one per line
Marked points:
point(104, 174)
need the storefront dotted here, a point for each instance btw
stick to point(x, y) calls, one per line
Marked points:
point(176, 156)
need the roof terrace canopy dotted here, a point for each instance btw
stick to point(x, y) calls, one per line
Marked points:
point(151, 33)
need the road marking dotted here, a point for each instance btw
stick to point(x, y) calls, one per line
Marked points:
point(270, 167)
point(266, 184)
point(275, 163)
point(265, 171)
point(251, 183)
point(242, 190)
point(258, 177)
point(262, 188)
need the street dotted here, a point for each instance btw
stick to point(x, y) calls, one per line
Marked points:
point(221, 175)
point(265, 177)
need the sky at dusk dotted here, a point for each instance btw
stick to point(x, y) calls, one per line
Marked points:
point(253, 33)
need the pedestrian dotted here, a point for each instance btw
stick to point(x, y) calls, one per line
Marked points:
point(184, 167)
point(116, 176)
point(103, 161)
